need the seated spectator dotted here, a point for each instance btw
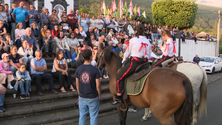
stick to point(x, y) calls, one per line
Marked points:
point(5, 73)
point(60, 72)
point(36, 32)
point(105, 40)
point(103, 32)
point(63, 15)
point(91, 42)
point(62, 44)
point(72, 42)
point(19, 32)
point(2, 95)
point(85, 46)
point(43, 30)
point(3, 30)
point(55, 31)
point(111, 45)
point(49, 44)
point(66, 33)
point(110, 33)
point(96, 31)
point(26, 52)
point(38, 66)
point(23, 82)
point(70, 30)
point(64, 23)
point(108, 38)
point(15, 59)
point(119, 49)
point(30, 39)
point(77, 58)
point(115, 41)
point(83, 33)
point(89, 32)
point(78, 36)
point(8, 41)
point(3, 47)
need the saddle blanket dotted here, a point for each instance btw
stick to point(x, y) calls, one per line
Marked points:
point(135, 86)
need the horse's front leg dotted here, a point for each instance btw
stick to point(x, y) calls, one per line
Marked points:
point(122, 115)
point(147, 114)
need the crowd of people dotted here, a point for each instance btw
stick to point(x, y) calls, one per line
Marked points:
point(27, 37)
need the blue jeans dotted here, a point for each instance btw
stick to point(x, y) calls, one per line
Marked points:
point(154, 35)
point(91, 105)
point(51, 26)
point(13, 25)
point(13, 69)
point(18, 43)
point(66, 54)
point(2, 97)
point(24, 86)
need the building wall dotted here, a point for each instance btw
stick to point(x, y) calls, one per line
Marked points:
point(190, 49)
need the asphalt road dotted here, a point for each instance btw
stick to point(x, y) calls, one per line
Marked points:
point(214, 108)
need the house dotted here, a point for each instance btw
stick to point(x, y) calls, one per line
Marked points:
point(49, 4)
point(203, 36)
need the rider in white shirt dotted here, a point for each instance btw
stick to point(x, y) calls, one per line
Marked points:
point(168, 49)
point(139, 51)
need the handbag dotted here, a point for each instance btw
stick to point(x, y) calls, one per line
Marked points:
point(62, 66)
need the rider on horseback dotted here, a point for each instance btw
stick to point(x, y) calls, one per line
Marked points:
point(168, 49)
point(139, 51)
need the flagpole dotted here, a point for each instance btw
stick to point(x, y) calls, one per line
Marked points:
point(120, 13)
point(104, 10)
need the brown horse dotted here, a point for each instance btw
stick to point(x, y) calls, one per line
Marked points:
point(166, 92)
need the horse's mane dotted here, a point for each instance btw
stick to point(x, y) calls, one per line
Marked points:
point(108, 54)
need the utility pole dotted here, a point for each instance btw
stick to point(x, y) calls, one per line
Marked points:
point(218, 33)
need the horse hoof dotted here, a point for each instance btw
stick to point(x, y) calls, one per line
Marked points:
point(143, 119)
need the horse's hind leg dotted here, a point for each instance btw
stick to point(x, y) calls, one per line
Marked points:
point(147, 114)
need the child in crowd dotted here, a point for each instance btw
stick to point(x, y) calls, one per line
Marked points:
point(4, 71)
point(23, 81)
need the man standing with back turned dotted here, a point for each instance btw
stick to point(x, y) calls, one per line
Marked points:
point(88, 88)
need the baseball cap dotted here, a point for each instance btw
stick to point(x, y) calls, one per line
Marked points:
point(4, 55)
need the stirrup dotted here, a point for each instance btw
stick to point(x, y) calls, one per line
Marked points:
point(117, 102)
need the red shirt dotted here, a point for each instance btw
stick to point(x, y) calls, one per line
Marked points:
point(71, 21)
point(54, 34)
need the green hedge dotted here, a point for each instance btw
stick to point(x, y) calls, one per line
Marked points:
point(220, 49)
point(174, 13)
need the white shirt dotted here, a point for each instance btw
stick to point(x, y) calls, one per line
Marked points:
point(92, 23)
point(115, 41)
point(99, 26)
point(25, 52)
point(168, 46)
point(111, 25)
point(134, 46)
point(83, 34)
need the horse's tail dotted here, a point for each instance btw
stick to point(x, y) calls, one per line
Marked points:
point(186, 110)
point(203, 94)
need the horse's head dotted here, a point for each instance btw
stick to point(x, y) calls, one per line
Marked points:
point(101, 61)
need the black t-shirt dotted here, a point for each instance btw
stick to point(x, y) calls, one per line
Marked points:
point(87, 75)
point(16, 59)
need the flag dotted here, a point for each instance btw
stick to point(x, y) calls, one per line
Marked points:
point(111, 8)
point(138, 11)
point(121, 2)
point(125, 7)
point(103, 8)
point(134, 10)
point(131, 8)
point(144, 13)
point(115, 14)
point(106, 11)
point(114, 5)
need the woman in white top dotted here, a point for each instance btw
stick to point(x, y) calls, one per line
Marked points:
point(61, 44)
point(26, 52)
point(19, 32)
point(92, 22)
point(72, 42)
point(60, 72)
point(99, 23)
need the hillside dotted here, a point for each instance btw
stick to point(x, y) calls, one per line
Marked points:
point(206, 18)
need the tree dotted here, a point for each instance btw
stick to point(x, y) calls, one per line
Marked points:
point(174, 13)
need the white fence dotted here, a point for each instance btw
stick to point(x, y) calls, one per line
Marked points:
point(189, 49)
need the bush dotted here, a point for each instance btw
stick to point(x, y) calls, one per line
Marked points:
point(220, 49)
point(174, 13)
